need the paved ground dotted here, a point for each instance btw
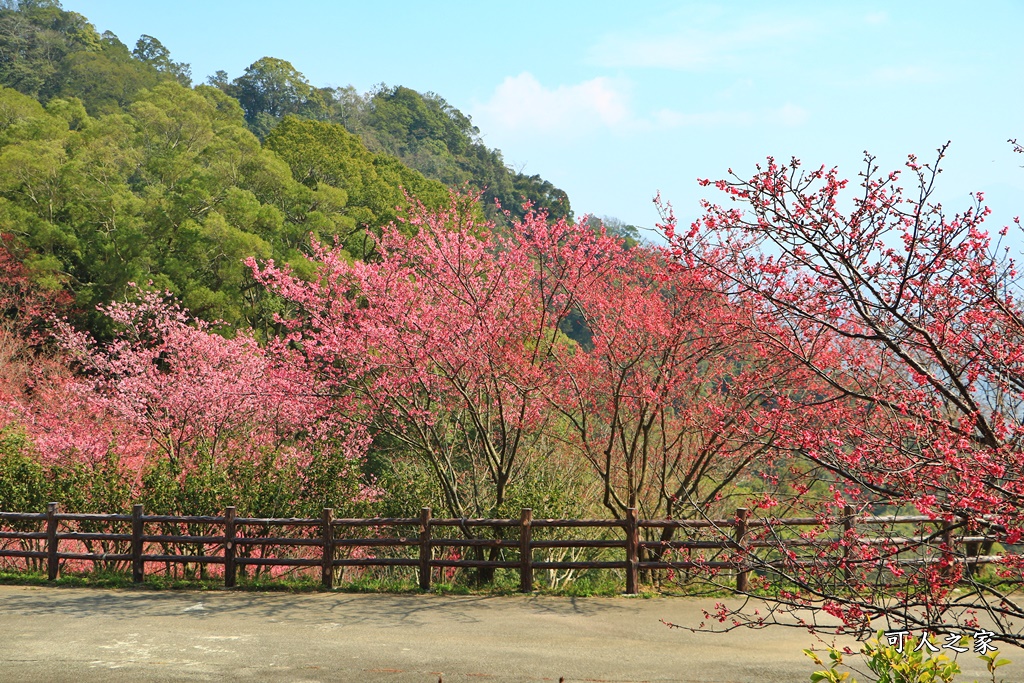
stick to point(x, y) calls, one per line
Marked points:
point(85, 635)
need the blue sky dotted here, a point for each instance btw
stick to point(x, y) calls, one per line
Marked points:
point(613, 103)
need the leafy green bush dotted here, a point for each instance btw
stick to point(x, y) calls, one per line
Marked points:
point(889, 664)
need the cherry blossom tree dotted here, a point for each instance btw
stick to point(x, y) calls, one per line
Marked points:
point(664, 399)
point(38, 392)
point(192, 391)
point(909, 318)
point(452, 345)
point(436, 345)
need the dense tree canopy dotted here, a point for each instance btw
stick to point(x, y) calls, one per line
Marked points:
point(115, 170)
point(430, 135)
point(325, 154)
point(176, 190)
point(423, 131)
point(151, 51)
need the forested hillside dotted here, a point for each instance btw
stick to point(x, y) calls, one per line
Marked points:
point(421, 129)
point(114, 168)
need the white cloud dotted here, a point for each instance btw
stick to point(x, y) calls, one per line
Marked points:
point(790, 114)
point(694, 50)
point(521, 106)
point(877, 17)
point(901, 75)
point(739, 90)
point(787, 115)
point(522, 103)
point(667, 118)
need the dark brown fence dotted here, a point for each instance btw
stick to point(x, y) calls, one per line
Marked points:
point(426, 539)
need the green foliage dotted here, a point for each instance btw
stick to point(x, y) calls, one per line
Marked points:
point(28, 485)
point(550, 486)
point(428, 134)
point(15, 107)
point(889, 665)
point(832, 674)
point(993, 661)
point(267, 487)
point(22, 477)
point(46, 52)
point(629, 234)
point(175, 191)
point(270, 89)
point(325, 154)
point(36, 39)
point(264, 488)
point(593, 583)
point(106, 80)
point(151, 51)
point(422, 131)
point(126, 175)
point(909, 666)
point(403, 119)
point(406, 487)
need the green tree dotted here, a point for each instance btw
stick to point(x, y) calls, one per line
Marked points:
point(35, 40)
point(322, 153)
point(151, 51)
point(428, 134)
point(106, 80)
point(615, 227)
point(269, 89)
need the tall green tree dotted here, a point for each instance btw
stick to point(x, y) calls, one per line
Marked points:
point(151, 51)
point(271, 88)
point(325, 154)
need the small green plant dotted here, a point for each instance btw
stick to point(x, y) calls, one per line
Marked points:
point(993, 662)
point(831, 674)
point(890, 664)
point(911, 665)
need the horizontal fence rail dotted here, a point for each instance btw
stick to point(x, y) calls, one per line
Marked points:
point(157, 538)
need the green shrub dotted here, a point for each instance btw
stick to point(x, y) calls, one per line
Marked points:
point(891, 665)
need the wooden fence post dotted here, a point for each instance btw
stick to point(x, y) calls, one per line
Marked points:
point(525, 552)
point(973, 549)
point(740, 532)
point(52, 564)
point(138, 566)
point(947, 552)
point(847, 528)
point(632, 550)
point(327, 568)
point(230, 534)
point(425, 549)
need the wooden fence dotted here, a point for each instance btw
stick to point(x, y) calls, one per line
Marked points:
point(329, 536)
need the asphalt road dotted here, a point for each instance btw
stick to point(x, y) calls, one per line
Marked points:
point(85, 635)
